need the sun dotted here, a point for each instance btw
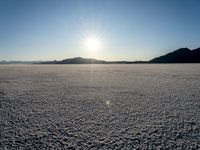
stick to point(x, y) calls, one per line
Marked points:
point(92, 43)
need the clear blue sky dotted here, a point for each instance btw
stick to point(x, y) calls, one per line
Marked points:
point(128, 29)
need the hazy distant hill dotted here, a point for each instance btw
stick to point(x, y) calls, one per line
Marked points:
point(182, 55)
point(80, 60)
point(76, 60)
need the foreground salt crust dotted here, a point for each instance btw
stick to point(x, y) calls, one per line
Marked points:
point(100, 106)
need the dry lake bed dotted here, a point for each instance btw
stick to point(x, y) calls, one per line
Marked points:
point(139, 106)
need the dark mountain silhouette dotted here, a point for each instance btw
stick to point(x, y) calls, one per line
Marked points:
point(182, 55)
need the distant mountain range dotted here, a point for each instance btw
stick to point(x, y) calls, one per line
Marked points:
point(182, 55)
point(80, 60)
point(19, 62)
point(76, 60)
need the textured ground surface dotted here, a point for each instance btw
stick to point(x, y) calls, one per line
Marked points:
point(100, 106)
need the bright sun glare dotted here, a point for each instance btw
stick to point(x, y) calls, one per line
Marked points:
point(93, 43)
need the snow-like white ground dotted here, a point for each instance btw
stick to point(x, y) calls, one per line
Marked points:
point(100, 106)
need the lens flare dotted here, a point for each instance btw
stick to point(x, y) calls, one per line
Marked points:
point(92, 43)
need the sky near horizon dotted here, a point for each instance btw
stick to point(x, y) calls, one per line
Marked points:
point(127, 29)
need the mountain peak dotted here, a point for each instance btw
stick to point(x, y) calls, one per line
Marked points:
point(182, 50)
